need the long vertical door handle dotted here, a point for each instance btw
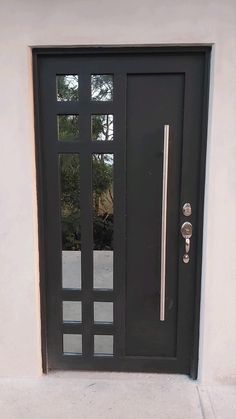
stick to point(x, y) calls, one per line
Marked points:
point(164, 222)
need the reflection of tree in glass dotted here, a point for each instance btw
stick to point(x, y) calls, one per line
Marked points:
point(70, 201)
point(102, 177)
point(103, 201)
point(68, 127)
point(102, 87)
point(102, 171)
point(102, 127)
point(67, 87)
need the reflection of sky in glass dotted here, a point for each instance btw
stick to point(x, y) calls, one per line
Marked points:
point(109, 158)
point(102, 87)
point(106, 158)
point(67, 87)
point(102, 127)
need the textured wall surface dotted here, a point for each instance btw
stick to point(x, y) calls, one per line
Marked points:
point(89, 22)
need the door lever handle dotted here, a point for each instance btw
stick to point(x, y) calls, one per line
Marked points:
point(187, 245)
point(186, 231)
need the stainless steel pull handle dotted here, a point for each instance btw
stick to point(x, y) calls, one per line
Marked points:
point(186, 231)
point(164, 222)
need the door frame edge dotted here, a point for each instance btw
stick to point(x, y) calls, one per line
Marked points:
point(194, 362)
point(40, 213)
point(38, 51)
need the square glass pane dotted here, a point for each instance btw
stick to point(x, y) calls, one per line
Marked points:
point(68, 127)
point(102, 127)
point(103, 312)
point(103, 345)
point(72, 311)
point(102, 87)
point(72, 344)
point(67, 87)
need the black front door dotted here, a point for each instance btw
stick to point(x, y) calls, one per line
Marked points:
point(121, 147)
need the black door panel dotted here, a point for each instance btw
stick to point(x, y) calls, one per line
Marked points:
point(100, 117)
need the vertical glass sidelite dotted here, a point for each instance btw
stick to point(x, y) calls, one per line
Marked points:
point(102, 87)
point(70, 220)
point(103, 219)
point(67, 87)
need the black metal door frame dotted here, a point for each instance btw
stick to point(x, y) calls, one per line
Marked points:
point(205, 51)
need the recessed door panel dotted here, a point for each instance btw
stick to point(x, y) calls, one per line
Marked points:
point(148, 110)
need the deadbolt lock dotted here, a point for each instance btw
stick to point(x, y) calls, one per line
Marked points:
point(187, 209)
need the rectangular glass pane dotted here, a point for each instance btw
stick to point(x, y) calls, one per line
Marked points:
point(103, 220)
point(72, 344)
point(103, 312)
point(102, 87)
point(103, 345)
point(102, 127)
point(72, 311)
point(67, 87)
point(68, 127)
point(71, 267)
point(70, 220)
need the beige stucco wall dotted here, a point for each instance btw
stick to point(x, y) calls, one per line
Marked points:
point(29, 23)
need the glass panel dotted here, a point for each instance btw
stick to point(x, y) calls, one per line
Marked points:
point(70, 220)
point(103, 312)
point(102, 127)
point(72, 311)
point(103, 345)
point(67, 87)
point(102, 87)
point(68, 127)
point(71, 265)
point(72, 344)
point(103, 220)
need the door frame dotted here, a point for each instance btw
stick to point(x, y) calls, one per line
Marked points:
point(206, 50)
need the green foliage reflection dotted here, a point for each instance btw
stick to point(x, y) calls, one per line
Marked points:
point(103, 201)
point(70, 201)
point(102, 187)
point(68, 127)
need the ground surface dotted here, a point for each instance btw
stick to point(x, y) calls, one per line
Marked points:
point(88, 395)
